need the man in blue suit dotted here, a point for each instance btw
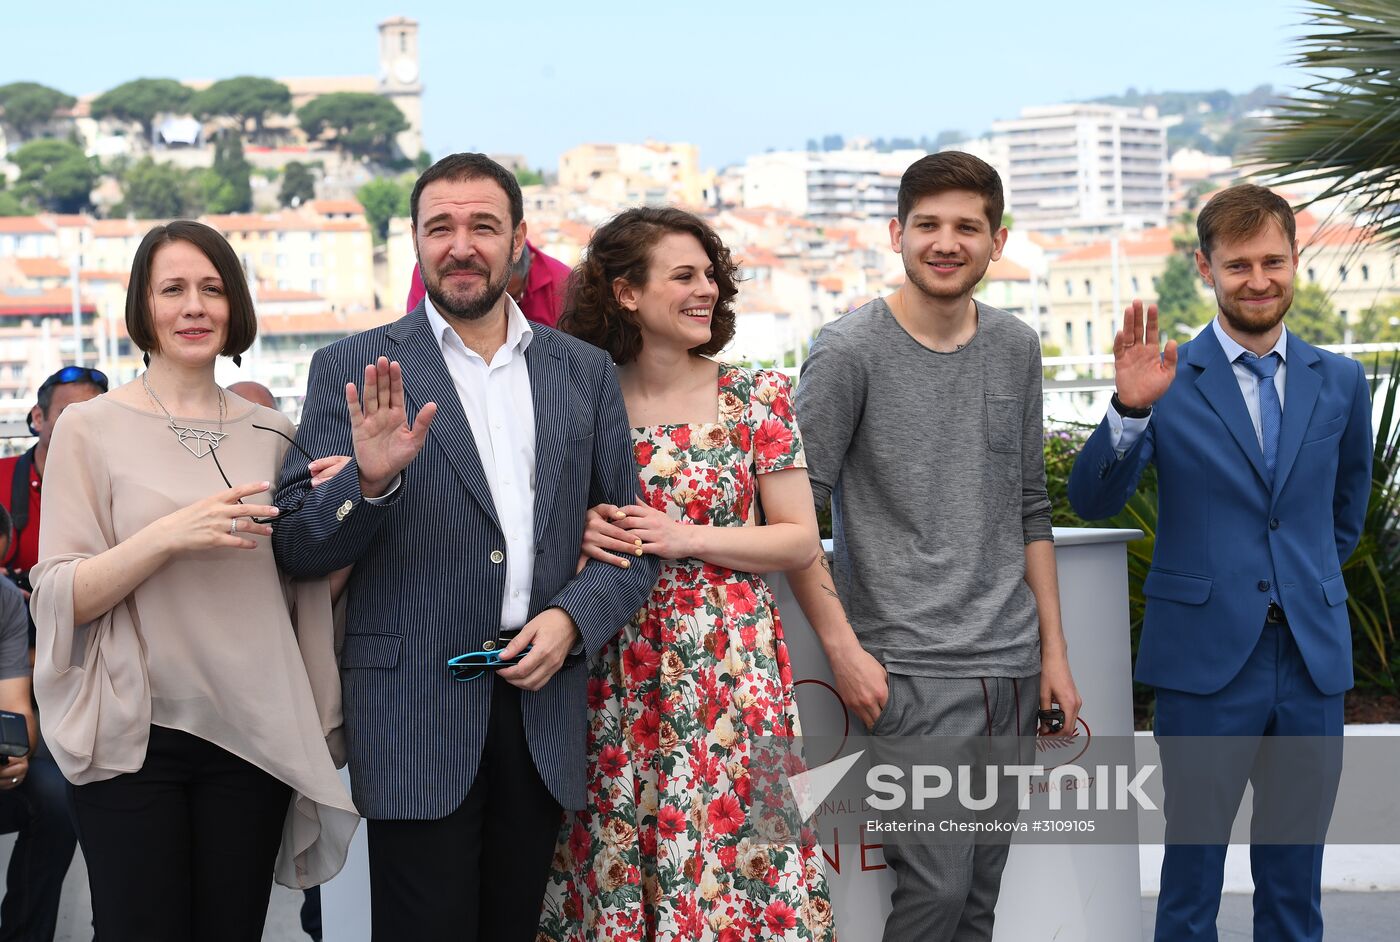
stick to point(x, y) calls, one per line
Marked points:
point(462, 513)
point(1263, 450)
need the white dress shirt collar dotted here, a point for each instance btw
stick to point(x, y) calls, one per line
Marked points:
point(519, 333)
point(1232, 347)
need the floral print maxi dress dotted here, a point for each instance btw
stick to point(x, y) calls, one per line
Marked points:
point(663, 850)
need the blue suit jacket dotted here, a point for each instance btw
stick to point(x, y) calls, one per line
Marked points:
point(424, 587)
point(1223, 534)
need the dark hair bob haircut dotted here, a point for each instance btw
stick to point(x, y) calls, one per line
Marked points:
point(621, 248)
point(242, 320)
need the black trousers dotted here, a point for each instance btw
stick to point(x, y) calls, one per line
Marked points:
point(38, 810)
point(183, 848)
point(479, 874)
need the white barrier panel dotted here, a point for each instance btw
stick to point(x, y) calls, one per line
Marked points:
point(1065, 893)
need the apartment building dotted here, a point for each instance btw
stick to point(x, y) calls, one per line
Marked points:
point(827, 185)
point(1085, 170)
point(649, 174)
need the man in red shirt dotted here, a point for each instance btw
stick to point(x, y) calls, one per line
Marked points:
point(536, 283)
point(22, 476)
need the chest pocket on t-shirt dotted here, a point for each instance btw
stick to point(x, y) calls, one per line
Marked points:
point(1003, 423)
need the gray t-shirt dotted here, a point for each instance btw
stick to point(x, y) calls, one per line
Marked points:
point(935, 466)
point(14, 631)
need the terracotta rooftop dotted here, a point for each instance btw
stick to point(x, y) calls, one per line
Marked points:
point(1004, 269)
point(23, 225)
point(336, 207)
point(1149, 243)
point(56, 301)
point(41, 267)
point(119, 228)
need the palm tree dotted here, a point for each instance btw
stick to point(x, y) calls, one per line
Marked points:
point(1343, 129)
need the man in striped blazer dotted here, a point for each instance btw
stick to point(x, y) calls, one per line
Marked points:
point(479, 442)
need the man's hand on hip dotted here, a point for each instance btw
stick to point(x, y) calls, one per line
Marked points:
point(550, 635)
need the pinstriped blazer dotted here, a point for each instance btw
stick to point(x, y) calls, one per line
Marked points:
point(424, 587)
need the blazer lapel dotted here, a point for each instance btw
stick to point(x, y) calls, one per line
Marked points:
point(426, 380)
point(549, 377)
point(1222, 391)
point(1301, 387)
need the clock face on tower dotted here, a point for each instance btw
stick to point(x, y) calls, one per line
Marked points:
point(405, 70)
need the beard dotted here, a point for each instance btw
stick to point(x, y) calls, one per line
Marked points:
point(464, 303)
point(918, 275)
point(1247, 321)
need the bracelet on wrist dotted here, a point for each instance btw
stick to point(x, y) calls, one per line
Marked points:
point(1129, 412)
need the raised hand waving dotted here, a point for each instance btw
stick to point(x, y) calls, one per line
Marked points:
point(1141, 372)
point(384, 441)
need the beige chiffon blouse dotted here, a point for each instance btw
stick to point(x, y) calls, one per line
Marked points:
point(216, 643)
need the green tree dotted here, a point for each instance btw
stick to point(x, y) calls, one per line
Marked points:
point(1343, 129)
point(1379, 324)
point(298, 184)
point(230, 190)
point(1179, 296)
point(55, 174)
point(142, 100)
point(11, 205)
point(155, 191)
point(26, 106)
point(361, 124)
point(1312, 316)
point(527, 177)
point(245, 98)
point(383, 199)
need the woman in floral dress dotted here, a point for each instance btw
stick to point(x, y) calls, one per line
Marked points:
point(670, 846)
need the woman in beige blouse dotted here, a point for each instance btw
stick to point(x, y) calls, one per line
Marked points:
point(186, 689)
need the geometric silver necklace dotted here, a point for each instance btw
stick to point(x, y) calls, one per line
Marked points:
point(197, 441)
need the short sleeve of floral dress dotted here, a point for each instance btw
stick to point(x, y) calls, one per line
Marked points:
point(670, 846)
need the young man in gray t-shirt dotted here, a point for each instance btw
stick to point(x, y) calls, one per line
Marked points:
point(921, 417)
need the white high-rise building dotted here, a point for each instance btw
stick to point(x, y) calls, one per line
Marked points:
point(827, 185)
point(1085, 169)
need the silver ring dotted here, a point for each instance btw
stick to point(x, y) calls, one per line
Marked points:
point(233, 527)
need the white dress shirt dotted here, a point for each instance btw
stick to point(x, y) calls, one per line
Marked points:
point(497, 400)
point(1127, 431)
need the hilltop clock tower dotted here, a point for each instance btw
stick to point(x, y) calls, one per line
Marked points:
point(399, 79)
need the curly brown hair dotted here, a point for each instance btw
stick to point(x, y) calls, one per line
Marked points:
point(621, 248)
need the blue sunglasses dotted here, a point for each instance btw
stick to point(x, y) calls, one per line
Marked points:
point(473, 664)
point(69, 374)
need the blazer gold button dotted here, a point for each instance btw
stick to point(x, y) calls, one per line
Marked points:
point(344, 509)
point(488, 645)
point(497, 557)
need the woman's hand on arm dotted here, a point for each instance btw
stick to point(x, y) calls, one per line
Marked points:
point(605, 541)
point(787, 541)
point(101, 581)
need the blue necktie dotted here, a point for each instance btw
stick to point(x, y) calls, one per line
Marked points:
point(1270, 409)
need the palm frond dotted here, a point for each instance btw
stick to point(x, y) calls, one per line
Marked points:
point(1342, 129)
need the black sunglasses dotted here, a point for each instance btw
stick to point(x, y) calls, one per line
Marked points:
point(284, 514)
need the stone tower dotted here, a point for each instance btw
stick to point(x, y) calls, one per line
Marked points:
point(399, 78)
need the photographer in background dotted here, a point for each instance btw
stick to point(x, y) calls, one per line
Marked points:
point(22, 476)
point(33, 794)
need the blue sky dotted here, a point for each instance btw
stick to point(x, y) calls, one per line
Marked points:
point(735, 78)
